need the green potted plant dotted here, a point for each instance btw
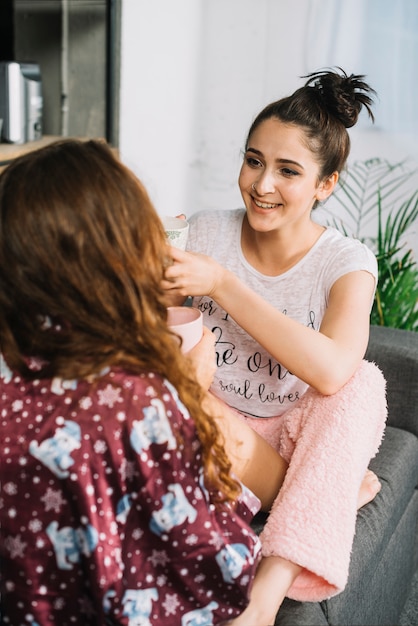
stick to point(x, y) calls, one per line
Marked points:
point(376, 191)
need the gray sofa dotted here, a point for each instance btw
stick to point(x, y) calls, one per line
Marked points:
point(385, 550)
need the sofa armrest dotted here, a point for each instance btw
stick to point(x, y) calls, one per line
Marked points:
point(395, 351)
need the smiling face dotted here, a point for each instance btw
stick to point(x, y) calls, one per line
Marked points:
point(279, 178)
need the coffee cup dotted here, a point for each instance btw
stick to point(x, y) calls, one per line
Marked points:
point(187, 322)
point(177, 231)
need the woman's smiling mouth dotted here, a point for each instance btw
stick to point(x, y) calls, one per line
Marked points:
point(263, 205)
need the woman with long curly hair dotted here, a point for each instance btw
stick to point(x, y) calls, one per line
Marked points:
point(119, 503)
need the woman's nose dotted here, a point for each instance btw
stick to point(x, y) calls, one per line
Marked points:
point(264, 184)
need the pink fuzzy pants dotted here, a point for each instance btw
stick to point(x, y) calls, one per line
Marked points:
point(328, 442)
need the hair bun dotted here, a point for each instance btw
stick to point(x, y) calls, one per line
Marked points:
point(343, 96)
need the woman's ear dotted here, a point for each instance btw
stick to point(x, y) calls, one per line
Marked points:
point(326, 187)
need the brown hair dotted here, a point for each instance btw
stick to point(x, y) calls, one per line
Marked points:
point(327, 104)
point(82, 249)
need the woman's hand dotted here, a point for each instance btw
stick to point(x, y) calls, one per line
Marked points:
point(192, 274)
point(273, 578)
point(202, 358)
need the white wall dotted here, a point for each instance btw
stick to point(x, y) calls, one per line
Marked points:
point(195, 73)
point(160, 56)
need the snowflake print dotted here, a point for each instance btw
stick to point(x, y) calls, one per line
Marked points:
point(127, 470)
point(118, 557)
point(12, 513)
point(161, 581)
point(200, 578)
point(85, 403)
point(17, 405)
point(35, 364)
point(198, 494)
point(191, 540)
point(171, 603)
point(109, 396)
point(130, 470)
point(159, 557)
point(59, 603)
point(35, 525)
point(100, 446)
point(137, 533)
point(10, 489)
point(86, 606)
point(150, 392)
point(84, 469)
point(53, 500)
point(216, 540)
point(15, 546)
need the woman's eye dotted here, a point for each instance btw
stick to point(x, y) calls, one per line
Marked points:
point(286, 171)
point(252, 162)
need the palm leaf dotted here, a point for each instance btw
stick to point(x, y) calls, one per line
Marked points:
point(356, 191)
point(376, 187)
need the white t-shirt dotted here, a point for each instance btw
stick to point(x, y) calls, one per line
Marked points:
point(248, 378)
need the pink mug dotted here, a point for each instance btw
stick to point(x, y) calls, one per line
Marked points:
point(187, 322)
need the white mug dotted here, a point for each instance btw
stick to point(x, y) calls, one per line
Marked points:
point(177, 231)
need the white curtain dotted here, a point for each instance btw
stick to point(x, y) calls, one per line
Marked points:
point(378, 38)
point(391, 58)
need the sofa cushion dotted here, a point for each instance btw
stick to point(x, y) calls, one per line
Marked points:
point(395, 351)
point(377, 523)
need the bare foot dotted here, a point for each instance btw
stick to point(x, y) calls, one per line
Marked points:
point(369, 489)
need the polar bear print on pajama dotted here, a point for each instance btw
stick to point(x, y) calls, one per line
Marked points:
point(200, 616)
point(175, 511)
point(137, 605)
point(123, 507)
point(59, 385)
point(5, 372)
point(55, 452)
point(70, 543)
point(232, 560)
point(154, 428)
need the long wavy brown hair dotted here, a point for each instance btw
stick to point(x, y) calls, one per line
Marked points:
point(83, 252)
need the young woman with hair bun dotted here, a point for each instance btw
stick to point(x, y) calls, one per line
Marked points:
point(289, 303)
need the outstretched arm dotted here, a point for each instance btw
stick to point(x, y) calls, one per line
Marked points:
point(326, 359)
point(273, 578)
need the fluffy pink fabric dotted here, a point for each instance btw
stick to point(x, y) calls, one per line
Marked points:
point(328, 442)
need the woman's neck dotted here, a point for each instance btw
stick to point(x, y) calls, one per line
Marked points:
point(275, 252)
